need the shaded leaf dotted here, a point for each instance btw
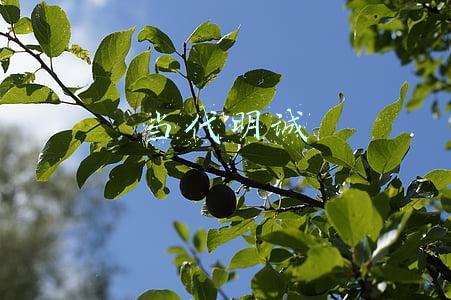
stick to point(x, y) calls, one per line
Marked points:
point(162, 93)
point(124, 178)
point(156, 178)
point(203, 287)
point(166, 63)
point(101, 97)
point(161, 42)
point(228, 40)
point(57, 149)
point(219, 276)
point(93, 163)
point(138, 67)
point(10, 11)
point(268, 284)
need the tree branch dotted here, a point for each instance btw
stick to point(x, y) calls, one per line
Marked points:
point(196, 104)
point(55, 77)
point(227, 174)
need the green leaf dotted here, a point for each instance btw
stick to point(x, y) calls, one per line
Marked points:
point(245, 258)
point(93, 163)
point(440, 178)
point(289, 139)
point(156, 178)
point(161, 42)
point(205, 32)
point(186, 276)
point(383, 124)
point(162, 93)
point(23, 26)
point(252, 91)
point(219, 276)
point(384, 155)
point(182, 230)
point(203, 287)
point(336, 151)
point(398, 222)
point(330, 120)
point(79, 52)
point(138, 67)
point(14, 80)
point(200, 240)
point(204, 63)
point(57, 149)
point(353, 215)
point(51, 28)
point(420, 93)
point(397, 274)
point(101, 97)
point(29, 94)
point(227, 41)
point(109, 59)
point(94, 132)
point(291, 238)
point(10, 11)
point(217, 237)
point(124, 178)
point(6, 53)
point(345, 133)
point(370, 15)
point(268, 284)
point(265, 154)
point(320, 262)
point(158, 295)
point(166, 63)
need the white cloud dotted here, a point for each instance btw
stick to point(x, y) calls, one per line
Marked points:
point(41, 121)
point(98, 2)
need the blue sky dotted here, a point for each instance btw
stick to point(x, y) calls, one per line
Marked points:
point(306, 42)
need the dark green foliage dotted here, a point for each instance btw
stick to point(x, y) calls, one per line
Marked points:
point(418, 32)
point(334, 222)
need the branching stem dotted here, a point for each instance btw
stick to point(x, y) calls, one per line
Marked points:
point(227, 174)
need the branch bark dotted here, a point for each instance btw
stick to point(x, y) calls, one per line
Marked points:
point(227, 174)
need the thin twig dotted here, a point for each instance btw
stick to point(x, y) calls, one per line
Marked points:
point(196, 104)
point(225, 174)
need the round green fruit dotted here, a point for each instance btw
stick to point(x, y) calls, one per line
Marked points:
point(221, 201)
point(194, 185)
